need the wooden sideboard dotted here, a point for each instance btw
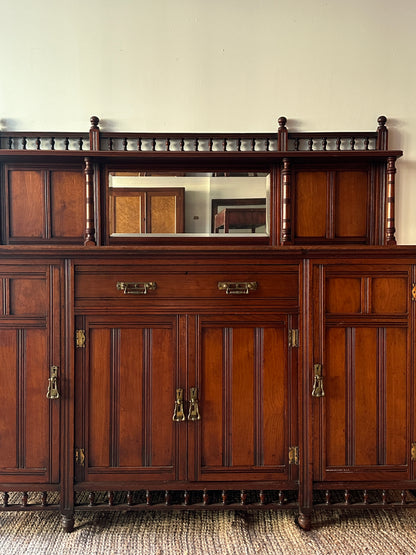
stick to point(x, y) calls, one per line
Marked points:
point(203, 371)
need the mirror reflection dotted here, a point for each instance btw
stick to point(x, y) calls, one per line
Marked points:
point(198, 204)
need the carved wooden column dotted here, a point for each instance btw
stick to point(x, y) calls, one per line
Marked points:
point(389, 238)
point(382, 134)
point(286, 230)
point(282, 134)
point(94, 133)
point(89, 203)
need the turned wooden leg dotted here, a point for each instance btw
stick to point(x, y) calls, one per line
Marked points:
point(68, 522)
point(304, 520)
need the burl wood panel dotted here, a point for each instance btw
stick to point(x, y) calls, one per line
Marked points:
point(131, 393)
point(244, 401)
point(162, 214)
point(127, 215)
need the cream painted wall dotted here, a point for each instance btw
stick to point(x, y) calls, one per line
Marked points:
point(232, 65)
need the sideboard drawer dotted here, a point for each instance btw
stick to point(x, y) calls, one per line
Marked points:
point(149, 284)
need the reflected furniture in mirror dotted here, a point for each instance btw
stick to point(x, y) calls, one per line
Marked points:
point(241, 214)
point(139, 210)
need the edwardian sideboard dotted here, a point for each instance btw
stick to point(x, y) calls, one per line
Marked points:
point(266, 366)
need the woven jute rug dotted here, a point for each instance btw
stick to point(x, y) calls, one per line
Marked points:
point(205, 533)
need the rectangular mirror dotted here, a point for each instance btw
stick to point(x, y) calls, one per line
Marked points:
point(199, 204)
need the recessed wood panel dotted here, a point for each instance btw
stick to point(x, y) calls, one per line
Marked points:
point(335, 385)
point(343, 295)
point(310, 204)
point(127, 214)
point(389, 295)
point(396, 394)
point(364, 402)
point(28, 296)
point(37, 406)
point(27, 204)
point(8, 399)
point(67, 194)
point(351, 204)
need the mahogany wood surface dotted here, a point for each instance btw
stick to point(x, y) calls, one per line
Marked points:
point(328, 286)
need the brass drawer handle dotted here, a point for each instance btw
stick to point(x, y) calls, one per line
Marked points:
point(237, 287)
point(136, 288)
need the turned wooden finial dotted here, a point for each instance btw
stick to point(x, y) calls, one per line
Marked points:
point(382, 133)
point(94, 133)
point(381, 120)
point(282, 121)
point(282, 134)
point(94, 122)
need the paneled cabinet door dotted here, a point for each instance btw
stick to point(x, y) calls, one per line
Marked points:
point(126, 375)
point(362, 425)
point(246, 374)
point(29, 353)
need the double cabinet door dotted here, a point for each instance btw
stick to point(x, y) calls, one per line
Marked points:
point(363, 413)
point(179, 398)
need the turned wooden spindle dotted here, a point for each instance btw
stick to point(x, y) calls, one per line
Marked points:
point(148, 497)
point(94, 133)
point(282, 134)
point(205, 497)
point(89, 203)
point(390, 230)
point(286, 227)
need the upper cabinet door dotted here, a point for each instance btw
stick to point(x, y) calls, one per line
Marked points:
point(29, 357)
point(126, 378)
point(246, 378)
point(44, 205)
point(363, 344)
point(338, 205)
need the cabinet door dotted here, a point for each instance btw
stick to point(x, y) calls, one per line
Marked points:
point(362, 424)
point(126, 378)
point(246, 378)
point(29, 346)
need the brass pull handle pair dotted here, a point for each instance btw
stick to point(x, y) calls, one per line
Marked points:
point(178, 410)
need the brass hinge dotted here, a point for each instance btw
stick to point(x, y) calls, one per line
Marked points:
point(294, 338)
point(80, 456)
point(413, 452)
point(413, 291)
point(80, 339)
point(294, 455)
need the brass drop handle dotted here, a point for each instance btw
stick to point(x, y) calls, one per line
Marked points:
point(318, 381)
point(237, 287)
point(136, 288)
point(178, 413)
point(53, 392)
point(193, 413)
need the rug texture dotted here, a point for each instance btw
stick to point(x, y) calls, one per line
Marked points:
point(205, 533)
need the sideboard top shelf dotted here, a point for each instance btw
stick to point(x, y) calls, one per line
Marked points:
point(202, 144)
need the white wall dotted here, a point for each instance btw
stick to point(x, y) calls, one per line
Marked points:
point(223, 65)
